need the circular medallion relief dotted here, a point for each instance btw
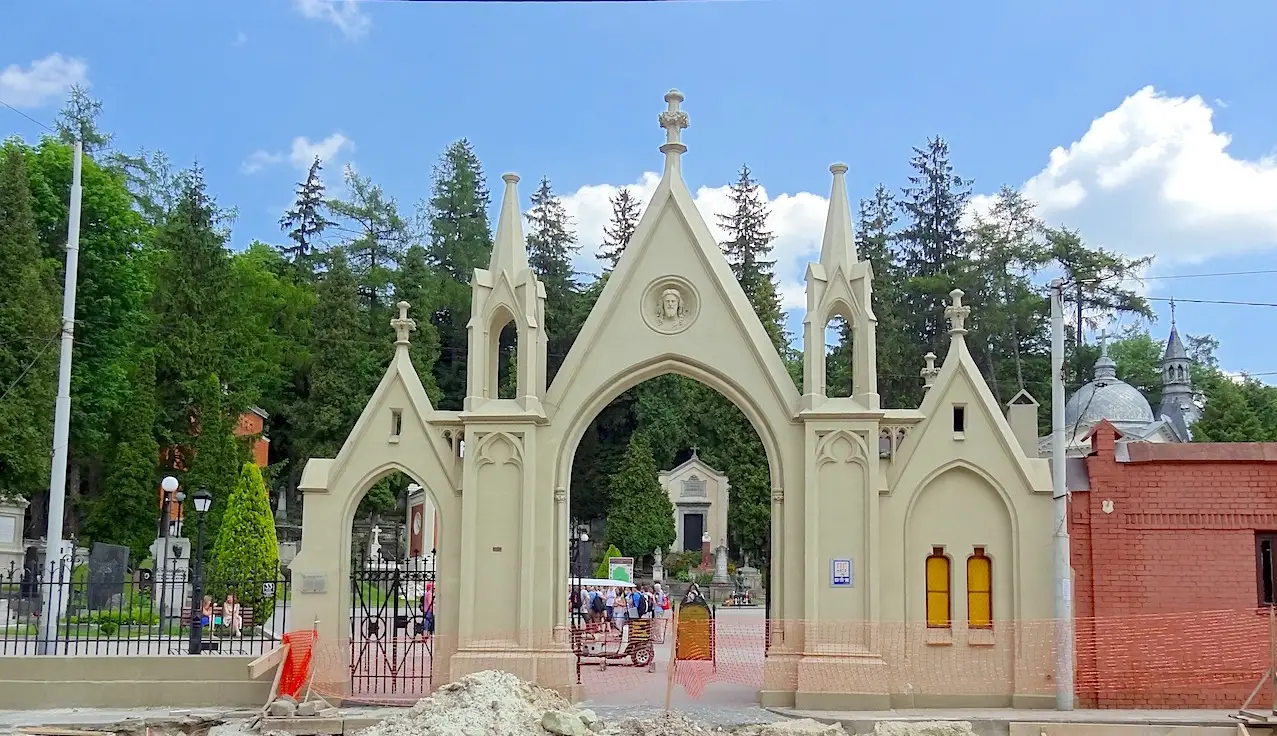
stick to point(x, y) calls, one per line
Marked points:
point(670, 305)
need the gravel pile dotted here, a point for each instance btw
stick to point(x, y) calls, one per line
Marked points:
point(494, 703)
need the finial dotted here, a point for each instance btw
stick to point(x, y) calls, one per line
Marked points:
point(929, 372)
point(957, 314)
point(838, 169)
point(1105, 368)
point(838, 245)
point(694, 449)
point(403, 324)
point(673, 120)
point(1172, 312)
point(1104, 342)
point(509, 253)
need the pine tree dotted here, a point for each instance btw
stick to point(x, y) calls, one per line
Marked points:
point(898, 359)
point(416, 284)
point(642, 516)
point(305, 222)
point(747, 248)
point(460, 241)
point(374, 251)
point(125, 512)
point(1228, 416)
point(28, 338)
point(214, 464)
point(618, 232)
point(246, 550)
point(344, 368)
point(551, 244)
point(196, 333)
point(933, 244)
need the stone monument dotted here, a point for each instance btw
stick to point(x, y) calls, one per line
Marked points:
point(374, 545)
point(172, 568)
point(13, 515)
point(720, 566)
point(108, 564)
point(658, 566)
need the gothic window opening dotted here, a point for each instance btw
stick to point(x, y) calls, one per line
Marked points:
point(396, 422)
point(503, 352)
point(959, 419)
point(938, 587)
point(979, 590)
point(839, 357)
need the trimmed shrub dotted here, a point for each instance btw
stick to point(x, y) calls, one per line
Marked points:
point(246, 555)
point(612, 551)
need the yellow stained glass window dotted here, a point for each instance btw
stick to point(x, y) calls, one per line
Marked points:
point(937, 589)
point(979, 590)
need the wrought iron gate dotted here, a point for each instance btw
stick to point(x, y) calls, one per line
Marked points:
point(392, 629)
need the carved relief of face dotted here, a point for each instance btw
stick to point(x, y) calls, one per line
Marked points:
point(670, 303)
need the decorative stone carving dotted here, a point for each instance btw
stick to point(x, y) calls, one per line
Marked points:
point(403, 324)
point(778, 496)
point(957, 314)
point(673, 120)
point(670, 305)
point(695, 487)
point(929, 371)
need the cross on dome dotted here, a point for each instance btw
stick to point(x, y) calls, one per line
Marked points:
point(403, 324)
point(1104, 341)
point(957, 314)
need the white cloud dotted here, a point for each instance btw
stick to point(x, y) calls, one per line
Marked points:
point(1153, 176)
point(344, 14)
point(302, 153)
point(43, 81)
point(797, 220)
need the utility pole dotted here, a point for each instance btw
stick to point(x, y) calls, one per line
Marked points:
point(55, 596)
point(1060, 501)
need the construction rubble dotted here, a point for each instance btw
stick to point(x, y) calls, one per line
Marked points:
point(494, 703)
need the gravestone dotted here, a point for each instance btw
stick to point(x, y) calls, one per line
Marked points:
point(108, 564)
point(720, 566)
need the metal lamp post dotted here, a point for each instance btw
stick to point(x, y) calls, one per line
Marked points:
point(578, 543)
point(203, 500)
point(169, 485)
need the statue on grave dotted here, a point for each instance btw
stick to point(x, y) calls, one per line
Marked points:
point(657, 557)
point(739, 584)
point(374, 544)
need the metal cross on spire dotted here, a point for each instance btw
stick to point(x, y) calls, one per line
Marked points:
point(1104, 341)
point(1172, 312)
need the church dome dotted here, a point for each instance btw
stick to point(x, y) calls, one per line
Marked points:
point(1107, 397)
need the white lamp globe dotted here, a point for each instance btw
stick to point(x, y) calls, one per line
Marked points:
point(169, 484)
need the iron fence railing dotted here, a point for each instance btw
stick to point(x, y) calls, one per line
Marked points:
point(104, 610)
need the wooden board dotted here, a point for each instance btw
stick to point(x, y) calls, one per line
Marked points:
point(267, 661)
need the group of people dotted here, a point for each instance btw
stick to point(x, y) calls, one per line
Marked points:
point(231, 615)
point(614, 606)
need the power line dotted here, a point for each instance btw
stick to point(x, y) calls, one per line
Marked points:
point(1208, 275)
point(1210, 301)
point(30, 365)
point(28, 117)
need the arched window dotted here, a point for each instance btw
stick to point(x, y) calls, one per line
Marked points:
point(938, 611)
point(979, 590)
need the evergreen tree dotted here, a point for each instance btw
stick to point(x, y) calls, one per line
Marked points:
point(460, 241)
point(747, 248)
point(305, 222)
point(374, 251)
point(214, 464)
point(898, 361)
point(416, 284)
point(29, 331)
point(196, 331)
point(641, 517)
point(345, 370)
point(125, 511)
point(620, 229)
point(602, 573)
point(79, 119)
point(551, 244)
point(246, 551)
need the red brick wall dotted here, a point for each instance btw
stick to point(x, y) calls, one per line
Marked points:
point(250, 424)
point(1165, 584)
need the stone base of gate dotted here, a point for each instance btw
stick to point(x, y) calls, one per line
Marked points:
point(554, 669)
point(825, 682)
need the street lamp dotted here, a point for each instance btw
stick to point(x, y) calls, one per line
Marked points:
point(202, 500)
point(579, 544)
point(169, 485)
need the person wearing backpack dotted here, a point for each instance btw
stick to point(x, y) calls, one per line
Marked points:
point(642, 604)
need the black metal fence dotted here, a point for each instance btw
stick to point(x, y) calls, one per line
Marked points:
point(82, 608)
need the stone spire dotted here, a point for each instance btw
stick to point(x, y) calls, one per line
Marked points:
point(1178, 406)
point(957, 314)
point(930, 371)
point(1105, 368)
point(673, 120)
point(839, 246)
point(403, 324)
point(509, 253)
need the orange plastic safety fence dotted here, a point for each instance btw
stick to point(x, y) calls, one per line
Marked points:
point(1203, 659)
point(296, 666)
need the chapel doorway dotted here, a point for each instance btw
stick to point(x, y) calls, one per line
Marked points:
point(693, 530)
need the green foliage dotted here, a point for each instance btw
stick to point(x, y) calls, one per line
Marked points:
point(28, 337)
point(305, 222)
point(125, 511)
point(416, 284)
point(678, 563)
point(246, 553)
point(1229, 415)
point(612, 551)
point(620, 229)
point(747, 248)
point(551, 245)
point(217, 455)
point(641, 517)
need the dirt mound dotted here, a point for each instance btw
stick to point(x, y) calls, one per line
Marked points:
point(489, 703)
point(923, 728)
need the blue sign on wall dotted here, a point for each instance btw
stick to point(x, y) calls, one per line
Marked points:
point(841, 573)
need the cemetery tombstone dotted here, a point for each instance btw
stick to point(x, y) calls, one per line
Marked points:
point(108, 564)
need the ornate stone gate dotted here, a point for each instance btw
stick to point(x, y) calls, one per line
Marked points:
point(880, 490)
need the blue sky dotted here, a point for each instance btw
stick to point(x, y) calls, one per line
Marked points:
point(1161, 111)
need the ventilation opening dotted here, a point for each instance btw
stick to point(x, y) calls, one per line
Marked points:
point(1266, 572)
point(959, 419)
point(396, 422)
